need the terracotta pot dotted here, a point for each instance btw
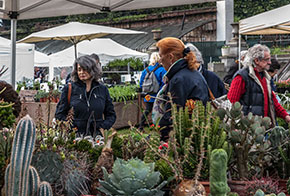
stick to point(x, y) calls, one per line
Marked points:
point(206, 186)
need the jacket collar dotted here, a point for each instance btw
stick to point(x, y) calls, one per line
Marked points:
point(82, 84)
point(174, 68)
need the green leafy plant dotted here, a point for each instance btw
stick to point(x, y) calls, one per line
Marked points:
point(123, 93)
point(135, 63)
point(132, 178)
point(7, 118)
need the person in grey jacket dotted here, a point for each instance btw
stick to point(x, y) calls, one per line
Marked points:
point(90, 100)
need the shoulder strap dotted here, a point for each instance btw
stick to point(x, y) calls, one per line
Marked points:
point(211, 94)
point(69, 93)
point(156, 67)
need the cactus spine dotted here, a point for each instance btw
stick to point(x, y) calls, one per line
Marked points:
point(22, 148)
point(218, 173)
point(20, 178)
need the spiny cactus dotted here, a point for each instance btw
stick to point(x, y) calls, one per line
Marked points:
point(218, 173)
point(34, 181)
point(48, 164)
point(77, 183)
point(132, 177)
point(261, 193)
point(17, 174)
point(44, 189)
point(20, 178)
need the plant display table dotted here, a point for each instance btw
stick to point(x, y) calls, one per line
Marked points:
point(125, 112)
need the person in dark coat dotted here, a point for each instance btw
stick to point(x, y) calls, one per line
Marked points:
point(90, 100)
point(182, 80)
point(234, 68)
point(274, 67)
point(215, 84)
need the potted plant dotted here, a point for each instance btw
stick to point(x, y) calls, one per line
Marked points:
point(41, 96)
point(225, 50)
point(283, 86)
point(251, 154)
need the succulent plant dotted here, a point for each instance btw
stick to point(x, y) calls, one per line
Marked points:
point(261, 193)
point(218, 173)
point(246, 134)
point(132, 177)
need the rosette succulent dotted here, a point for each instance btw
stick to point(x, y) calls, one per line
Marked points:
point(132, 177)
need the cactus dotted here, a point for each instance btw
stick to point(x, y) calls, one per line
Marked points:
point(132, 177)
point(77, 183)
point(218, 173)
point(45, 189)
point(261, 193)
point(48, 165)
point(18, 173)
point(34, 181)
point(20, 178)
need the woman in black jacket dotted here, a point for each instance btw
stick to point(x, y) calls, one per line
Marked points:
point(90, 100)
point(182, 79)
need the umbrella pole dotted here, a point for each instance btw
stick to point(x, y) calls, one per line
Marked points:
point(75, 45)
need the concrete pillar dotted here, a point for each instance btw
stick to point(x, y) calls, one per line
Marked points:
point(225, 17)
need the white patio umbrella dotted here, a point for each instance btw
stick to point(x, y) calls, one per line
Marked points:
point(27, 9)
point(75, 32)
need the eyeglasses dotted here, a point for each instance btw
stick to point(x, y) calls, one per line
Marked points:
point(267, 59)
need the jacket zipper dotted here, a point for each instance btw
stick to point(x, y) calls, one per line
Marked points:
point(88, 100)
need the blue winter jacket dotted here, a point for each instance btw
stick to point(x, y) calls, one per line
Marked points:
point(159, 73)
point(92, 111)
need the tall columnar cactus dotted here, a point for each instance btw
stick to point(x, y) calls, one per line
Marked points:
point(21, 179)
point(218, 173)
point(44, 189)
point(17, 174)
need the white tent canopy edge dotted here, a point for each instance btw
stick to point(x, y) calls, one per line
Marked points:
point(276, 21)
point(28, 9)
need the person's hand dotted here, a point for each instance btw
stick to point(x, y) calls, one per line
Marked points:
point(287, 118)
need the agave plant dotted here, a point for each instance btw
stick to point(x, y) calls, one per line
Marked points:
point(132, 178)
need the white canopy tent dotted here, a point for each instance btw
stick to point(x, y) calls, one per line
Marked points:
point(25, 59)
point(105, 48)
point(276, 21)
point(40, 59)
point(28, 9)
